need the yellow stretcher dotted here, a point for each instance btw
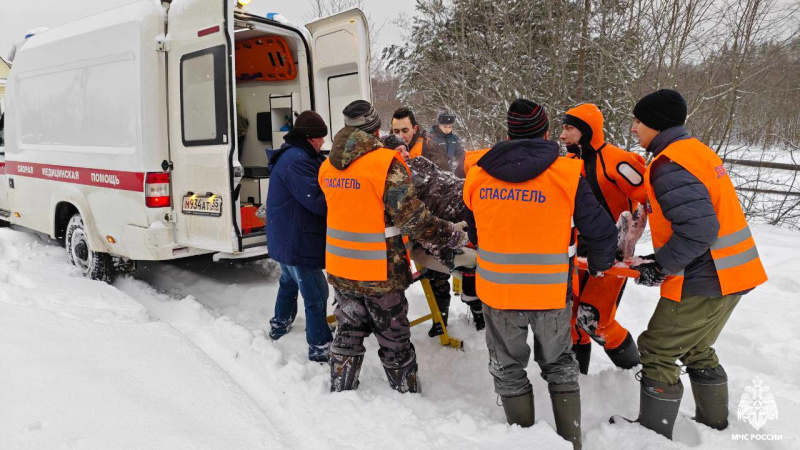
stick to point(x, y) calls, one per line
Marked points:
point(435, 315)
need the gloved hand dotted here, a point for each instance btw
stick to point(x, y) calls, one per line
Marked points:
point(459, 238)
point(650, 274)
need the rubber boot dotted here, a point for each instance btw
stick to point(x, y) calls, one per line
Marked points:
point(626, 355)
point(583, 353)
point(404, 379)
point(658, 405)
point(476, 307)
point(436, 329)
point(519, 409)
point(345, 370)
point(710, 391)
point(566, 400)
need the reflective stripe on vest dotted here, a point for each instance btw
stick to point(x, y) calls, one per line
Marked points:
point(357, 236)
point(526, 241)
point(734, 252)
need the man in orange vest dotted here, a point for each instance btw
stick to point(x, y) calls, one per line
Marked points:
point(616, 178)
point(404, 125)
point(705, 260)
point(526, 202)
point(372, 207)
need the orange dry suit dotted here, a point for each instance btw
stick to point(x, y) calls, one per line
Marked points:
point(617, 180)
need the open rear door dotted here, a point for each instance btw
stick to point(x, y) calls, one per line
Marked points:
point(202, 129)
point(340, 51)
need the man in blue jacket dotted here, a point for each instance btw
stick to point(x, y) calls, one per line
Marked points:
point(296, 224)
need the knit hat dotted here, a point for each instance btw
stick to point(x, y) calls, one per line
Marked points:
point(393, 141)
point(662, 109)
point(310, 125)
point(362, 115)
point(526, 120)
point(446, 118)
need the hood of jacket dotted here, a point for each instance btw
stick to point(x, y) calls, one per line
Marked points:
point(519, 160)
point(591, 116)
point(349, 144)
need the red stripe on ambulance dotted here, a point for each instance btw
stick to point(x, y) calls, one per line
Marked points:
point(112, 179)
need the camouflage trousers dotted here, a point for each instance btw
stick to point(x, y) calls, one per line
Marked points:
point(359, 315)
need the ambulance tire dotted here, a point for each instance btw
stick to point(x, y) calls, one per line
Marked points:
point(93, 265)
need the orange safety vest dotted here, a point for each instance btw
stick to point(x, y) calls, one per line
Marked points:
point(526, 236)
point(356, 238)
point(416, 150)
point(734, 252)
point(471, 158)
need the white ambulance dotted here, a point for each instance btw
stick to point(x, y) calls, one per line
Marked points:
point(122, 129)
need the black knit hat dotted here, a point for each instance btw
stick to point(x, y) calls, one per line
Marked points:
point(447, 118)
point(362, 115)
point(526, 120)
point(393, 141)
point(662, 109)
point(310, 125)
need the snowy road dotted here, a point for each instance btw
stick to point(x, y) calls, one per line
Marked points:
point(176, 357)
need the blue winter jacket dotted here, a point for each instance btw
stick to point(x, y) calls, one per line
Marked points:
point(296, 208)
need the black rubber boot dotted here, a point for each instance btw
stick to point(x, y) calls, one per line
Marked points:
point(710, 391)
point(566, 400)
point(519, 409)
point(626, 356)
point(344, 372)
point(658, 405)
point(436, 329)
point(476, 308)
point(404, 379)
point(583, 353)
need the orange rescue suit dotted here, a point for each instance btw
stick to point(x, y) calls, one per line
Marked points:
point(356, 238)
point(526, 236)
point(734, 252)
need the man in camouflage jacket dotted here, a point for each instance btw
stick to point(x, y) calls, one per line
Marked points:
point(380, 307)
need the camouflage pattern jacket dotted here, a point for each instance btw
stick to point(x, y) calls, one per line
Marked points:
point(402, 209)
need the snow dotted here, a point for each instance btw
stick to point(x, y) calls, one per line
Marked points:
point(176, 356)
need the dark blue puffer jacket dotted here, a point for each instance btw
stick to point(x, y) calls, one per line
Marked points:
point(296, 207)
point(687, 205)
point(520, 160)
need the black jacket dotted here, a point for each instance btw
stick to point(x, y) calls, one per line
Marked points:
point(520, 160)
point(687, 205)
point(451, 145)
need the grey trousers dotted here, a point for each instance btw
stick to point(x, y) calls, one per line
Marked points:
point(509, 352)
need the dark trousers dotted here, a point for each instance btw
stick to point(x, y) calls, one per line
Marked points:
point(360, 315)
point(311, 284)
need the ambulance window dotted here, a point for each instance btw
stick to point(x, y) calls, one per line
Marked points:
point(203, 110)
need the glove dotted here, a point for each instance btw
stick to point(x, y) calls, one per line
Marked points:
point(459, 238)
point(650, 274)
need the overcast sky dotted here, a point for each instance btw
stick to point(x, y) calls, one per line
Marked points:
point(19, 16)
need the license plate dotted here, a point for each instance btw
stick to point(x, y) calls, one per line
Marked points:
point(202, 205)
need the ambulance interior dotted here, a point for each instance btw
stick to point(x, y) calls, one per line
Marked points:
point(269, 83)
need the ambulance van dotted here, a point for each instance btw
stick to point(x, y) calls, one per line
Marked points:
point(122, 130)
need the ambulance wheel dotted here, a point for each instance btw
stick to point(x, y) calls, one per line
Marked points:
point(93, 265)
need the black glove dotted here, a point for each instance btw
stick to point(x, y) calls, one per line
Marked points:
point(650, 274)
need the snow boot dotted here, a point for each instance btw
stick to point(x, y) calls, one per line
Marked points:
point(344, 371)
point(658, 406)
point(519, 409)
point(404, 379)
point(626, 356)
point(436, 329)
point(566, 400)
point(279, 328)
point(710, 391)
point(319, 353)
point(583, 353)
point(476, 308)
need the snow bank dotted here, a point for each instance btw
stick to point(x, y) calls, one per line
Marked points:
point(223, 310)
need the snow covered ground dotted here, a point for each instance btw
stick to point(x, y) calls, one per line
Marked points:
point(176, 356)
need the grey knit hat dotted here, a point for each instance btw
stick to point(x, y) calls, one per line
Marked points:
point(362, 115)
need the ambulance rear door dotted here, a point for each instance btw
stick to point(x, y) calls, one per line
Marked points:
point(205, 167)
point(340, 51)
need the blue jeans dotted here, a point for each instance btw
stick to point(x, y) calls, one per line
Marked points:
point(312, 285)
